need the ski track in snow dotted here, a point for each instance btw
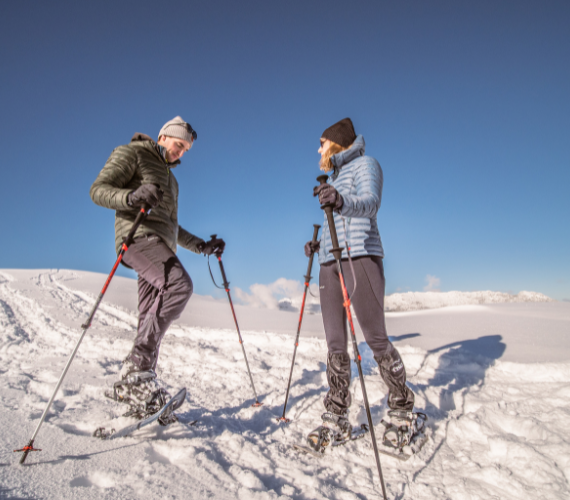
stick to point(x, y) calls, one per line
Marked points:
point(497, 429)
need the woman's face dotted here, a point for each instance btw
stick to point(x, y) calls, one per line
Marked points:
point(325, 145)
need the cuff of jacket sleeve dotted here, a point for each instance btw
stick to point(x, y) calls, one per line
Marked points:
point(124, 199)
point(197, 246)
point(189, 241)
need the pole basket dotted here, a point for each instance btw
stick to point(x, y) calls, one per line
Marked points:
point(256, 404)
point(285, 420)
point(26, 449)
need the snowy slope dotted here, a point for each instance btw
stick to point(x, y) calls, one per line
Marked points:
point(498, 426)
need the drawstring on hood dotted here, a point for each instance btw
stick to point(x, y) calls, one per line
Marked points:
point(162, 152)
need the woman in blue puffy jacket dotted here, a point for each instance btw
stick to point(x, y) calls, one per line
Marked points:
point(355, 189)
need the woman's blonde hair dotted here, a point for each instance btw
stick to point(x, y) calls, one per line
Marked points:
point(326, 163)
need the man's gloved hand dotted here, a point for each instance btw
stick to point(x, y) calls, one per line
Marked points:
point(328, 194)
point(312, 247)
point(215, 245)
point(149, 194)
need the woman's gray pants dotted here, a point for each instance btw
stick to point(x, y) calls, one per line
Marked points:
point(164, 290)
point(368, 303)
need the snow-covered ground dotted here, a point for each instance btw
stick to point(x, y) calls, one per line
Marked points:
point(494, 380)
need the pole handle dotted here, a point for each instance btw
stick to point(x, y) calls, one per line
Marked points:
point(322, 179)
point(218, 251)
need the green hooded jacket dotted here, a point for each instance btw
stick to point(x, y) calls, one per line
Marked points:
point(129, 167)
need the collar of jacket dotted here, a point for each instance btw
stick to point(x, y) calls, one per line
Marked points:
point(139, 137)
point(346, 156)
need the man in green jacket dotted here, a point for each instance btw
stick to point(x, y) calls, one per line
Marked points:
point(140, 174)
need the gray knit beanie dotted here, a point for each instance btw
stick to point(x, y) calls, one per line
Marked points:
point(178, 128)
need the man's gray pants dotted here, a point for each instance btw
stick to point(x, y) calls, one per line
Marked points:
point(164, 290)
point(367, 300)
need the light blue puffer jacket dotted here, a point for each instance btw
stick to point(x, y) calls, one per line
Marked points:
point(359, 180)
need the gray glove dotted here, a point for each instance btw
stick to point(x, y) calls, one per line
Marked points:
point(312, 247)
point(147, 194)
point(328, 194)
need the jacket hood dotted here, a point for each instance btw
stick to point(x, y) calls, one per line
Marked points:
point(346, 156)
point(140, 137)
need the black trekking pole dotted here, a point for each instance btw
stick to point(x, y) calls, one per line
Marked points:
point(128, 240)
point(337, 252)
point(307, 279)
point(226, 284)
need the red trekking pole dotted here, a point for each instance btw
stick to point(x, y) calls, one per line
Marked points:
point(307, 279)
point(337, 252)
point(226, 284)
point(128, 240)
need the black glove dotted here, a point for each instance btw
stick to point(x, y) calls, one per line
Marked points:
point(147, 194)
point(215, 245)
point(328, 194)
point(312, 247)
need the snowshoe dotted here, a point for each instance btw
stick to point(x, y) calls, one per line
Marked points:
point(164, 416)
point(336, 429)
point(403, 435)
point(142, 393)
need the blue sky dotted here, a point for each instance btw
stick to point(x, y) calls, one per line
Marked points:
point(464, 104)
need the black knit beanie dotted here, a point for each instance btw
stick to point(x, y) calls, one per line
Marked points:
point(341, 132)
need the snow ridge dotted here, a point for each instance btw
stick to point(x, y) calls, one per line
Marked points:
point(414, 301)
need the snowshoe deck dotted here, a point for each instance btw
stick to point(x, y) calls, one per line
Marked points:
point(167, 410)
point(411, 450)
point(356, 435)
point(309, 451)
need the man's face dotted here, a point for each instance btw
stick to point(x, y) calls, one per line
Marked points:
point(175, 148)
